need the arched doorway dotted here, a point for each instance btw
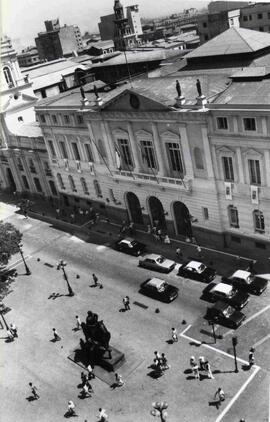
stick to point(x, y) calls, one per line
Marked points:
point(134, 208)
point(157, 212)
point(182, 219)
point(11, 180)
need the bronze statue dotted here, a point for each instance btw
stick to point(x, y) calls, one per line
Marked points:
point(178, 88)
point(96, 332)
point(199, 88)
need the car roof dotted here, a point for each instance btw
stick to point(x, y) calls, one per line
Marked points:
point(127, 240)
point(152, 256)
point(222, 288)
point(156, 282)
point(241, 274)
point(194, 264)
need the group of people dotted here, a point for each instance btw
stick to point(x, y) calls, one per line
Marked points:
point(12, 332)
point(160, 362)
point(201, 365)
point(127, 228)
point(85, 385)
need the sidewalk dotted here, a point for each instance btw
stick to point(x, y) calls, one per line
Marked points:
point(85, 226)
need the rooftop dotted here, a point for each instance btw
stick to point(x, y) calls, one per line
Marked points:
point(156, 282)
point(233, 41)
point(246, 92)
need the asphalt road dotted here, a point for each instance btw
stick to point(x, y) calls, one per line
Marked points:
point(138, 333)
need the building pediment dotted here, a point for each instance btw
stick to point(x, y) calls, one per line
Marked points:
point(132, 100)
point(252, 152)
point(225, 150)
point(120, 133)
point(170, 136)
point(143, 134)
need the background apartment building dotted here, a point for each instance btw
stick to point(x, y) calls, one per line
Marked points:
point(58, 41)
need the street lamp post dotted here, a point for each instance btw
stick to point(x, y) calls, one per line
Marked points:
point(62, 265)
point(212, 323)
point(27, 270)
point(234, 343)
point(159, 409)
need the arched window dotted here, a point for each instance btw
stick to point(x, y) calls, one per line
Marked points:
point(60, 181)
point(8, 76)
point(97, 189)
point(84, 186)
point(233, 216)
point(258, 219)
point(72, 183)
point(198, 158)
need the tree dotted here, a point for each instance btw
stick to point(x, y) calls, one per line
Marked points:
point(10, 238)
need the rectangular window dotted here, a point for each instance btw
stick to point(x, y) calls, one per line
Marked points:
point(254, 172)
point(175, 157)
point(236, 239)
point(205, 213)
point(80, 119)
point(222, 123)
point(268, 15)
point(20, 165)
point(205, 24)
point(32, 166)
point(66, 119)
point(261, 28)
point(245, 18)
point(249, 123)
point(228, 168)
point(37, 184)
point(25, 182)
point(88, 152)
point(63, 149)
point(42, 118)
point(111, 194)
point(250, 17)
point(148, 154)
point(233, 217)
point(259, 221)
point(54, 119)
point(124, 152)
point(259, 15)
point(75, 151)
point(51, 148)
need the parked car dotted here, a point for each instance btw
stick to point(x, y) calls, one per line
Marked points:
point(197, 271)
point(224, 314)
point(247, 281)
point(227, 293)
point(159, 289)
point(130, 246)
point(157, 263)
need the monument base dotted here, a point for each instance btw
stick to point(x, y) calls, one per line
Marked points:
point(180, 101)
point(110, 361)
point(201, 100)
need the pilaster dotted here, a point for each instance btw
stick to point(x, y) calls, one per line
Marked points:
point(240, 165)
point(158, 148)
point(186, 152)
point(207, 152)
point(134, 148)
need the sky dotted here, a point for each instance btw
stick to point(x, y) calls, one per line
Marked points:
point(23, 19)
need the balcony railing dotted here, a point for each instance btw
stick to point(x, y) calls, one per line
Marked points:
point(185, 183)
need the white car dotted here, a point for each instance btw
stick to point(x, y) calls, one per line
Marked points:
point(157, 263)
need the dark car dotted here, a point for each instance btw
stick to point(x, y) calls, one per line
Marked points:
point(224, 314)
point(157, 263)
point(130, 246)
point(197, 271)
point(247, 281)
point(226, 293)
point(159, 289)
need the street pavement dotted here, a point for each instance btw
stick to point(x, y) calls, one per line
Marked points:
point(138, 332)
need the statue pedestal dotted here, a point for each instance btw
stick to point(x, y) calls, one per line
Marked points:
point(107, 361)
point(114, 361)
point(84, 102)
point(201, 100)
point(180, 101)
point(99, 101)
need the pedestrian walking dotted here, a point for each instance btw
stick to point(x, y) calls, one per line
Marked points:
point(164, 362)
point(57, 213)
point(13, 330)
point(220, 396)
point(56, 335)
point(118, 380)
point(126, 303)
point(148, 229)
point(174, 335)
point(72, 217)
point(159, 233)
point(90, 372)
point(85, 391)
point(178, 252)
point(202, 363)
point(95, 280)
point(207, 367)
point(78, 323)
point(103, 417)
point(83, 378)
point(167, 240)
point(25, 214)
point(195, 370)
point(71, 408)
point(157, 355)
point(34, 392)
point(199, 250)
point(251, 356)
point(192, 361)
point(131, 228)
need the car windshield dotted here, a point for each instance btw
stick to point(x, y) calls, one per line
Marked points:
point(160, 259)
point(133, 243)
point(201, 268)
point(162, 287)
point(228, 311)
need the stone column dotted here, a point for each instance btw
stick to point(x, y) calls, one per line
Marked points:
point(267, 166)
point(159, 150)
point(240, 165)
point(134, 148)
point(186, 152)
point(207, 151)
point(95, 152)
